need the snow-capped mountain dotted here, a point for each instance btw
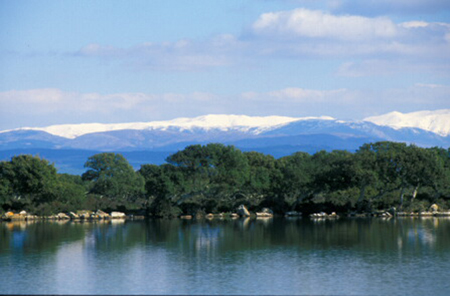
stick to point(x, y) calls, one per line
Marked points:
point(433, 121)
point(437, 122)
point(151, 142)
point(242, 123)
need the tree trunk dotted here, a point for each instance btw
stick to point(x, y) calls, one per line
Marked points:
point(415, 192)
point(402, 194)
point(361, 198)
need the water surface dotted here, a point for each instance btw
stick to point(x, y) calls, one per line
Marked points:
point(244, 256)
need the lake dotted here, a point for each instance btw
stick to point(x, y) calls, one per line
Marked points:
point(405, 256)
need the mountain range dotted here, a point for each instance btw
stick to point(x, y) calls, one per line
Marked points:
point(69, 145)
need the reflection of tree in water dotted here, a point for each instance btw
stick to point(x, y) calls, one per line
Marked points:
point(116, 236)
point(29, 237)
point(213, 237)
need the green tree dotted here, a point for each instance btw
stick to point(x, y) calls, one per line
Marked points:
point(293, 184)
point(333, 182)
point(70, 193)
point(441, 182)
point(366, 177)
point(6, 190)
point(27, 181)
point(110, 175)
point(262, 170)
point(164, 186)
point(214, 175)
point(196, 164)
point(424, 168)
point(400, 169)
point(231, 166)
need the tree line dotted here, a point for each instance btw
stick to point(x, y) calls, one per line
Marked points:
point(216, 178)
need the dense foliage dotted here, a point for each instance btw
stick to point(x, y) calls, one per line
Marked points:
point(216, 178)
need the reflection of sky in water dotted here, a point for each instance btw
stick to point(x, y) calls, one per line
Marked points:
point(421, 235)
point(135, 270)
point(18, 239)
point(205, 237)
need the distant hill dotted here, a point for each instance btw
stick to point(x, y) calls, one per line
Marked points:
point(68, 146)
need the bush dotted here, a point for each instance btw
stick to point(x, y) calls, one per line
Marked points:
point(416, 206)
point(163, 208)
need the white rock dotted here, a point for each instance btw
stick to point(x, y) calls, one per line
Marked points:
point(118, 215)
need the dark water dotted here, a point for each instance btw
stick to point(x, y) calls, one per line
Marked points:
point(276, 256)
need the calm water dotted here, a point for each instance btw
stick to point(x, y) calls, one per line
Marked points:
point(277, 256)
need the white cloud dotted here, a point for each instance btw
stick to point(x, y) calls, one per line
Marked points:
point(414, 24)
point(315, 33)
point(316, 24)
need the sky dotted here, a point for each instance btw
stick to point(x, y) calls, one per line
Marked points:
point(117, 61)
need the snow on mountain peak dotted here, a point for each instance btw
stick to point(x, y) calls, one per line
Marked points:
point(434, 121)
point(223, 122)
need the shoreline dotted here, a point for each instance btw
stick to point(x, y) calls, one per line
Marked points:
point(209, 217)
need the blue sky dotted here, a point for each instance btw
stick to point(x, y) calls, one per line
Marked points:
point(124, 61)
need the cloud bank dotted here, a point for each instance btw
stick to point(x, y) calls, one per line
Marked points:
point(43, 107)
point(295, 34)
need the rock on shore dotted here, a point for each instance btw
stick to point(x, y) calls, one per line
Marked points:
point(80, 215)
point(242, 211)
point(118, 215)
